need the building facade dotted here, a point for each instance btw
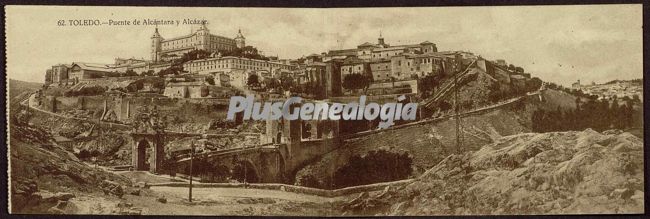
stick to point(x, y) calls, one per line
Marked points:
point(230, 63)
point(410, 66)
point(381, 49)
point(193, 89)
point(354, 65)
point(85, 71)
point(60, 73)
point(173, 48)
point(381, 70)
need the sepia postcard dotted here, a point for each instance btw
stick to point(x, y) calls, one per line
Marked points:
point(376, 111)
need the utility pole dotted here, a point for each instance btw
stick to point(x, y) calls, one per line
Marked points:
point(245, 176)
point(458, 143)
point(191, 159)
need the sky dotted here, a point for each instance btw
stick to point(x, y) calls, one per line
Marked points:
point(559, 44)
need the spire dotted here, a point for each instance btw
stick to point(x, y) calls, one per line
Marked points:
point(203, 27)
point(380, 40)
point(155, 33)
point(240, 35)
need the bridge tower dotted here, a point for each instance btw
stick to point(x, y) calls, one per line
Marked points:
point(148, 131)
point(141, 142)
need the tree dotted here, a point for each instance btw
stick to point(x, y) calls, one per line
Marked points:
point(253, 80)
point(271, 83)
point(192, 55)
point(172, 70)
point(533, 84)
point(159, 84)
point(210, 80)
point(355, 81)
point(130, 72)
point(313, 88)
point(286, 82)
point(428, 84)
point(371, 168)
point(511, 67)
point(495, 93)
point(148, 73)
point(86, 91)
point(246, 52)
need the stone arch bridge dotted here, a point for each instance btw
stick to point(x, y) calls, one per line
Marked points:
point(263, 163)
point(269, 162)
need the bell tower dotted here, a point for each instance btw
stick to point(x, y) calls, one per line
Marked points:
point(380, 40)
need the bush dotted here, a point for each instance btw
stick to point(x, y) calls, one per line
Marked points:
point(130, 72)
point(86, 91)
point(374, 167)
point(310, 180)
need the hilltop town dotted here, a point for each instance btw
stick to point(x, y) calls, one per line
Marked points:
point(632, 89)
point(199, 64)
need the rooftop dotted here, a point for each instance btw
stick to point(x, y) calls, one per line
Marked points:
point(187, 83)
point(94, 66)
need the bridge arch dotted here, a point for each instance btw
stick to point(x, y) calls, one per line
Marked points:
point(244, 170)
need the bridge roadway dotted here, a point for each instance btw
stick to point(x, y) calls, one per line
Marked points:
point(230, 151)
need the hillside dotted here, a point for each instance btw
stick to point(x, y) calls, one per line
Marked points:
point(549, 173)
point(427, 144)
point(43, 172)
point(20, 90)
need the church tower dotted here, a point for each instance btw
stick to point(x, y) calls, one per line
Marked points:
point(203, 35)
point(380, 41)
point(156, 48)
point(240, 41)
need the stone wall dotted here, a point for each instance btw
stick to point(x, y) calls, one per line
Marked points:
point(180, 110)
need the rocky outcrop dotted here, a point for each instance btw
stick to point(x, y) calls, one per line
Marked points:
point(427, 143)
point(549, 173)
point(43, 173)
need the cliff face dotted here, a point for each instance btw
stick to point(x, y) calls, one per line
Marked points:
point(427, 144)
point(535, 173)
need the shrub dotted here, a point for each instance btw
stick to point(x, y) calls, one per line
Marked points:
point(374, 167)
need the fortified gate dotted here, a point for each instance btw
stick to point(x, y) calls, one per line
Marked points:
point(148, 132)
point(143, 141)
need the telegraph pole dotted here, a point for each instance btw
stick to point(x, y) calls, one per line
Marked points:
point(191, 159)
point(457, 109)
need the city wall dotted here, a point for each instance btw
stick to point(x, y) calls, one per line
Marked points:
point(123, 109)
